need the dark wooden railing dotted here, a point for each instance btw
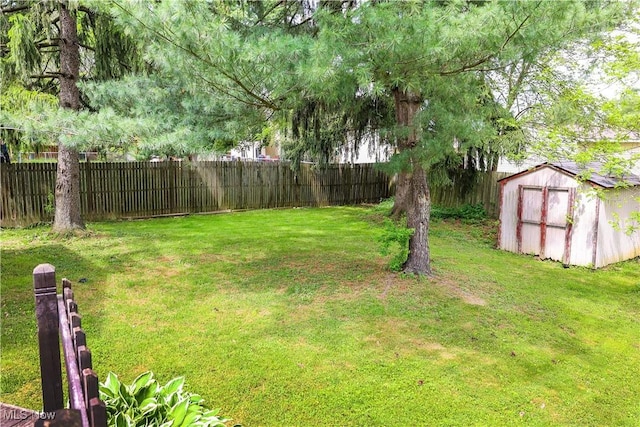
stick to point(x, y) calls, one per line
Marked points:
point(59, 322)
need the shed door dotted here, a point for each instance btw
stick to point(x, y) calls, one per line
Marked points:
point(545, 216)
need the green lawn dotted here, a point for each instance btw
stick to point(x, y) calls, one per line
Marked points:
point(289, 317)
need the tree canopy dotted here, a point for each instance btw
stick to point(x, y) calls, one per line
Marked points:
point(47, 47)
point(30, 34)
point(442, 81)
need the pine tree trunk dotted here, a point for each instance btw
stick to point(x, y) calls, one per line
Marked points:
point(67, 213)
point(412, 186)
point(418, 212)
point(400, 198)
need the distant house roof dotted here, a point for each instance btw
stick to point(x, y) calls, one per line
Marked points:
point(592, 173)
point(607, 134)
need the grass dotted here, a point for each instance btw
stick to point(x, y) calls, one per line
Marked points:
point(289, 317)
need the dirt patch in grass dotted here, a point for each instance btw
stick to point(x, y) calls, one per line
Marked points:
point(304, 313)
point(391, 334)
point(389, 282)
point(393, 283)
point(223, 258)
point(317, 266)
point(432, 347)
point(451, 287)
point(163, 267)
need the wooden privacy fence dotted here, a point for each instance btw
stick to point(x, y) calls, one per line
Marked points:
point(59, 322)
point(147, 189)
point(483, 190)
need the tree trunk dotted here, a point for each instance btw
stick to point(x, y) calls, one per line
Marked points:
point(412, 185)
point(400, 198)
point(67, 214)
point(418, 212)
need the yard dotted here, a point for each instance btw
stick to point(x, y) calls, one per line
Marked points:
point(289, 317)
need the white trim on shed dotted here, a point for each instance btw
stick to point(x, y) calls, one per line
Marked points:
point(547, 211)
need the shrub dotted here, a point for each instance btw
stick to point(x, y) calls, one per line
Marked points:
point(146, 403)
point(395, 239)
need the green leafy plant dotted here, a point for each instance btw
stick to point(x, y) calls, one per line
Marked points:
point(146, 403)
point(395, 239)
point(50, 206)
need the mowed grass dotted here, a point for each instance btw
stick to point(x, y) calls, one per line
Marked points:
point(289, 317)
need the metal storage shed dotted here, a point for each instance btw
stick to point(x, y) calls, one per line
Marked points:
point(549, 212)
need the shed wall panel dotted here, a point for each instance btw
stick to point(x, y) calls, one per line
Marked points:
point(615, 242)
point(584, 221)
point(530, 239)
point(558, 205)
point(532, 207)
point(509, 216)
point(554, 248)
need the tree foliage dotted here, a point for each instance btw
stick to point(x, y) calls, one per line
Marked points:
point(41, 52)
point(444, 82)
point(30, 62)
point(441, 63)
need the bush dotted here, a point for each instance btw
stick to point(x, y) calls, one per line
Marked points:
point(146, 403)
point(395, 239)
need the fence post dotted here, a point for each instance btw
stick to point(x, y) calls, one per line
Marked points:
point(44, 287)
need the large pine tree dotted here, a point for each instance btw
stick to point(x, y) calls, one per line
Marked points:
point(44, 51)
point(421, 73)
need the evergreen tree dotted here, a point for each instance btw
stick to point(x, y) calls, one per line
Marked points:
point(421, 74)
point(67, 212)
point(41, 45)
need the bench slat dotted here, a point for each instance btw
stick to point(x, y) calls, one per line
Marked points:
point(75, 320)
point(97, 412)
point(79, 337)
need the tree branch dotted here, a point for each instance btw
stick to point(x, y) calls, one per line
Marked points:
point(14, 9)
point(86, 47)
point(86, 10)
point(267, 13)
point(472, 66)
point(48, 44)
point(262, 101)
point(46, 75)
point(292, 26)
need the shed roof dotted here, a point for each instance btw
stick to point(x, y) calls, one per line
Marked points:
point(593, 172)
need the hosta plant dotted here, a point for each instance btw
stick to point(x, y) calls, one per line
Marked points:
point(146, 403)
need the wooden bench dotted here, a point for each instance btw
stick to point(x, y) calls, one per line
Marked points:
point(59, 322)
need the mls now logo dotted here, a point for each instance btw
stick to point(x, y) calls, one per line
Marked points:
point(23, 414)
